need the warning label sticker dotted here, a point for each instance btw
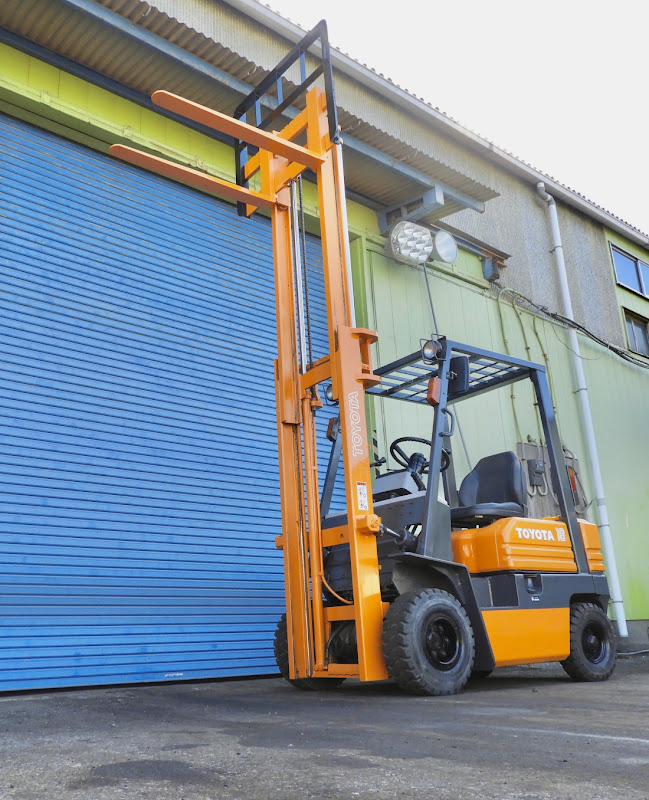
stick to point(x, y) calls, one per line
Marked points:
point(361, 495)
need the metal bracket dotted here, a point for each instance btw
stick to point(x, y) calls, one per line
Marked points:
point(421, 205)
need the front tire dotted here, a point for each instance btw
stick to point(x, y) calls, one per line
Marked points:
point(480, 674)
point(281, 658)
point(593, 645)
point(428, 642)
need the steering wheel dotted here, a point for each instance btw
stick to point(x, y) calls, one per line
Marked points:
point(397, 453)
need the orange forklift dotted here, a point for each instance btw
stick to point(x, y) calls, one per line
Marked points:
point(416, 579)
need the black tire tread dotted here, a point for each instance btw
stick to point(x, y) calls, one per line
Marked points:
point(577, 666)
point(280, 646)
point(397, 644)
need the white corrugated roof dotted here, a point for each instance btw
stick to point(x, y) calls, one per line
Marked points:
point(374, 79)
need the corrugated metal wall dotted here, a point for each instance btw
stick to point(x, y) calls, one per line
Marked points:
point(138, 466)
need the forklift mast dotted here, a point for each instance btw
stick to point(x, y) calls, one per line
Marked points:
point(278, 162)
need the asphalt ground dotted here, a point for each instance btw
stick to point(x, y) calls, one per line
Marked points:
point(526, 733)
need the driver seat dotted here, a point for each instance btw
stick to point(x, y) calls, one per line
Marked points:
point(494, 489)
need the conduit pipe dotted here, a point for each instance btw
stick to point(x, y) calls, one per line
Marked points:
point(587, 417)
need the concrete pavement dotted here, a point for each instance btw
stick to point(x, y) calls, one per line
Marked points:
point(526, 733)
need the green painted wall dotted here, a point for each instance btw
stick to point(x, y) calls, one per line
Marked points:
point(392, 299)
point(398, 308)
point(623, 389)
point(466, 312)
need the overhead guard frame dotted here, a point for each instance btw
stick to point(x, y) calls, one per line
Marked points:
point(407, 378)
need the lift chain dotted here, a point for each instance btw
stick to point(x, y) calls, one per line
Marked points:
point(305, 271)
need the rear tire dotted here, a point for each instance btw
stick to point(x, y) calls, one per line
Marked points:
point(428, 642)
point(281, 658)
point(593, 645)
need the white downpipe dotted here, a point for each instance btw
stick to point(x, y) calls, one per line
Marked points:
point(589, 430)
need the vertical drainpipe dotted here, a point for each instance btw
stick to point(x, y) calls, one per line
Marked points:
point(589, 430)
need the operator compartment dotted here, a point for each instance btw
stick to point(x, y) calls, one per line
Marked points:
point(520, 544)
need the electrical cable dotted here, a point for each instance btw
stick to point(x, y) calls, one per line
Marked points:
point(528, 350)
point(305, 271)
point(430, 299)
point(578, 482)
point(571, 323)
point(548, 371)
point(512, 395)
point(464, 447)
point(335, 594)
point(434, 316)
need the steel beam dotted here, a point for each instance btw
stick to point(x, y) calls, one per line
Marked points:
point(421, 205)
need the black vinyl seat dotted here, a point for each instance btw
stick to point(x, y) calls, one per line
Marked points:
point(494, 488)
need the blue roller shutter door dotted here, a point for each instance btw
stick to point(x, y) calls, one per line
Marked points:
point(138, 466)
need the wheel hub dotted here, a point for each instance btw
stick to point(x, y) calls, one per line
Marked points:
point(594, 643)
point(442, 642)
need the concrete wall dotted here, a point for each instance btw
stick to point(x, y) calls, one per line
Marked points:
point(517, 222)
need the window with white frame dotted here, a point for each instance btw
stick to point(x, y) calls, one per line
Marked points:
point(631, 272)
point(637, 331)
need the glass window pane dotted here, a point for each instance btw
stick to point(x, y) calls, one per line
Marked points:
point(638, 334)
point(641, 338)
point(625, 269)
point(644, 268)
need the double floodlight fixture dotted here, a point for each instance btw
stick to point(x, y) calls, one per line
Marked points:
point(414, 244)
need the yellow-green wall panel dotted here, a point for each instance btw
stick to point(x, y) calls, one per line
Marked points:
point(617, 392)
point(45, 95)
point(43, 77)
point(15, 64)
